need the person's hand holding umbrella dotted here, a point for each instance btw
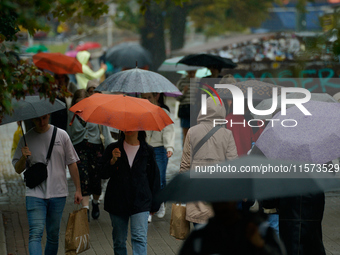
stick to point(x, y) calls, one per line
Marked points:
point(115, 155)
point(21, 165)
point(26, 152)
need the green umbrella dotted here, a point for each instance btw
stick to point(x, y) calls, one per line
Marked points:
point(37, 48)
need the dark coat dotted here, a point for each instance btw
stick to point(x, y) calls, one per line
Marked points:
point(300, 224)
point(130, 190)
point(300, 221)
point(216, 238)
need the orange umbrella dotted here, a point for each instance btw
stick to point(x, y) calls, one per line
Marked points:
point(57, 63)
point(122, 112)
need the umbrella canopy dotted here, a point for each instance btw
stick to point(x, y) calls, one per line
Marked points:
point(337, 97)
point(129, 55)
point(237, 186)
point(32, 107)
point(314, 139)
point(267, 103)
point(72, 53)
point(122, 112)
point(207, 60)
point(57, 63)
point(37, 48)
point(261, 90)
point(171, 65)
point(137, 81)
point(88, 46)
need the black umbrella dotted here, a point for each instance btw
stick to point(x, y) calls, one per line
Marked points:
point(207, 60)
point(128, 54)
point(218, 187)
point(31, 107)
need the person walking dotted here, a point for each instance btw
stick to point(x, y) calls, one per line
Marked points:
point(219, 147)
point(188, 97)
point(45, 203)
point(232, 231)
point(134, 180)
point(163, 143)
point(82, 78)
point(87, 142)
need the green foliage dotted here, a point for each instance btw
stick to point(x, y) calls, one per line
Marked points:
point(32, 14)
point(128, 15)
point(20, 78)
point(17, 77)
point(215, 17)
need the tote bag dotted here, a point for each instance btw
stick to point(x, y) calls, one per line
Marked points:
point(77, 236)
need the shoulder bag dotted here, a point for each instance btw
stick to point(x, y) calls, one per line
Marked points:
point(37, 173)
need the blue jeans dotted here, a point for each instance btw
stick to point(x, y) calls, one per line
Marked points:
point(139, 231)
point(162, 163)
point(40, 212)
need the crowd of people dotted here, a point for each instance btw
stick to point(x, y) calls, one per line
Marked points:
point(135, 164)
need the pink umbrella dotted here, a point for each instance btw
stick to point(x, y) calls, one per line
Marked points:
point(71, 53)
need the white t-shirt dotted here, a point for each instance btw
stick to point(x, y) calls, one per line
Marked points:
point(63, 154)
point(131, 151)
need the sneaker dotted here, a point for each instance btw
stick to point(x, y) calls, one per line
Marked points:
point(95, 211)
point(150, 218)
point(161, 211)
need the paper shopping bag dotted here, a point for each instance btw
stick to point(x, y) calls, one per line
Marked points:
point(179, 226)
point(77, 236)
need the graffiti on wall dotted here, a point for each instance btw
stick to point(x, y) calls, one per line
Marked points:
point(316, 80)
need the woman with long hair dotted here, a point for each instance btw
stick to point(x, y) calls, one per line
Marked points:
point(134, 180)
point(85, 137)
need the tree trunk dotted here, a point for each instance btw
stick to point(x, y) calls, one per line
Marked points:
point(152, 34)
point(177, 27)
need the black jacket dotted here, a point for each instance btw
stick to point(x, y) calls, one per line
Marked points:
point(130, 190)
point(300, 221)
point(217, 238)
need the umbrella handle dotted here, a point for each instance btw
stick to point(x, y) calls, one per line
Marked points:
point(23, 135)
point(74, 117)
